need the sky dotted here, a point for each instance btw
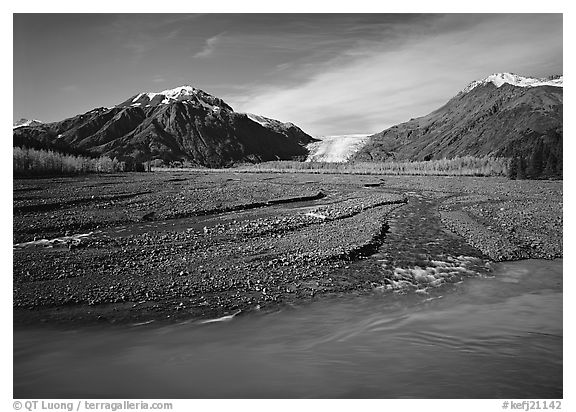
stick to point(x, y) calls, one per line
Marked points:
point(330, 74)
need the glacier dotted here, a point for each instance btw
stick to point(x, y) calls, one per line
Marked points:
point(335, 148)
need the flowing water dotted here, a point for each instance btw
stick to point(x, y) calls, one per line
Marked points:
point(491, 336)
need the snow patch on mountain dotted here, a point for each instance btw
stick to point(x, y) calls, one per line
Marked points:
point(26, 122)
point(169, 94)
point(268, 122)
point(264, 121)
point(181, 91)
point(185, 93)
point(338, 148)
point(499, 79)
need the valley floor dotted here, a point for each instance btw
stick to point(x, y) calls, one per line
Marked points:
point(181, 245)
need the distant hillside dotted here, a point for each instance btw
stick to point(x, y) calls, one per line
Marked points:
point(181, 124)
point(503, 115)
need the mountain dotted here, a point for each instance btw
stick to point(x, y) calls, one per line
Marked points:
point(180, 124)
point(502, 115)
point(499, 79)
point(289, 129)
point(26, 122)
point(337, 148)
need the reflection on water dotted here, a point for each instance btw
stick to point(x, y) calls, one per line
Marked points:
point(498, 337)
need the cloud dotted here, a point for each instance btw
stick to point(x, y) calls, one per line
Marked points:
point(209, 46)
point(284, 66)
point(138, 48)
point(143, 33)
point(374, 85)
point(69, 88)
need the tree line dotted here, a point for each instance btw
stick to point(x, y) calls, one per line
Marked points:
point(542, 161)
point(460, 166)
point(39, 162)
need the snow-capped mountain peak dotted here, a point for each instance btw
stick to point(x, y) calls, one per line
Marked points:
point(168, 94)
point(499, 79)
point(26, 122)
point(184, 93)
point(180, 91)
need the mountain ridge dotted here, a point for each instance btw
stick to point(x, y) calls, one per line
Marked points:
point(180, 124)
point(26, 122)
point(499, 79)
point(503, 120)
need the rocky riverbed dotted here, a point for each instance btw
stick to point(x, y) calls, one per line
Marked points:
point(181, 245)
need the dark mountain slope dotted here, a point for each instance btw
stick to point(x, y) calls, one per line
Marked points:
point(487, 120)
point(178, 124)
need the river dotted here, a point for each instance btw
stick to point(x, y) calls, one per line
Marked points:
point(497, 335)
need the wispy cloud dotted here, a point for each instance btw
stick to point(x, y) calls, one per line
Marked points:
point(209, 46)
point(141, 34)
point(70, 88)
point(328, 73)
point(284, 66)
point(372, 86)
point(138, 48)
